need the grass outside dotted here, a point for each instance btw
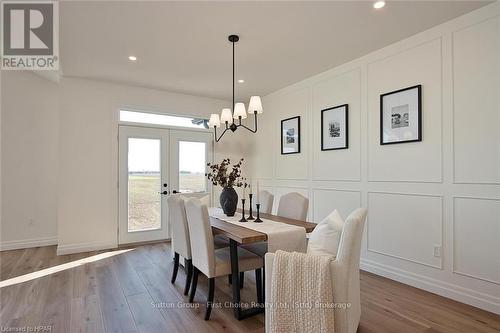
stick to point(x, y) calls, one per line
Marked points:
point(144, 201)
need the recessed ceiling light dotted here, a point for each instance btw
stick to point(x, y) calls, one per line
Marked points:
point(379, 4)
point(132, 58)
point(241, 81)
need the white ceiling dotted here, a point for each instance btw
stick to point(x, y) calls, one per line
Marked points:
point(183, 47)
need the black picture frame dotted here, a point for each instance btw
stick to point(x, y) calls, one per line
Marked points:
point(298, 135)
point(419, 115)
point(346, 116)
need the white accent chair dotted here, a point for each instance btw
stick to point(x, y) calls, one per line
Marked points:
point(266, 202)
point(293, 206)
point(344, 272)
point(210, 261)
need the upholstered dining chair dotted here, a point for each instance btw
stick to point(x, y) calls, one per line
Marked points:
point(210, 261)
point(344, 274)
point(180, 238)
point(293, 206)
point(266, 202)
point(181, 242)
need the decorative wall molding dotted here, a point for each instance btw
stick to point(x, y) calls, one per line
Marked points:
point(453, 245)
point(27, 243)
point(387, 56)
point(440, 266)
point(453, 113)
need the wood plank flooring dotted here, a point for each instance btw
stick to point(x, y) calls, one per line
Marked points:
point(129, 290)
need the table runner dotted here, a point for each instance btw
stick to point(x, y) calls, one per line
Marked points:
point(280, 236)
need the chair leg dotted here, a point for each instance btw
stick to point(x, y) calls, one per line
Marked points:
point(242, 279)
point(210, 298)
point(258, 283)
point(189, 266)
point(194, 284)
point(230, 279)
point(176, 267)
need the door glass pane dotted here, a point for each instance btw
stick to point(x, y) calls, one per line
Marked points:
point(144, 183)
point(192, 167)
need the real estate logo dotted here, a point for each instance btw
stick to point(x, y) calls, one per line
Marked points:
point(30, 35)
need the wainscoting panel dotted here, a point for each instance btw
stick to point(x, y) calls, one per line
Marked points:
point(405, 226)
point(325, 201)
point(476, 84)
point(296, 103)
point(476, 238)
point(398, 162)
point(343, 164)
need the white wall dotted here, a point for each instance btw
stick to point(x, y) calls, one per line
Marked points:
point(29, 162)
point(443, 191)
point(87, 209)
point(59, 156)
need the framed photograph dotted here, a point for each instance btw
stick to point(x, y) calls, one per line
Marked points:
point(401, 116)
point(334, 128)
point(290, 136)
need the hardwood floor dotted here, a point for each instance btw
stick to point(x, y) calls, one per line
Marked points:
point(129, 290)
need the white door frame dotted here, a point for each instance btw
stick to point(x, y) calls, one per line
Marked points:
point(169, 160)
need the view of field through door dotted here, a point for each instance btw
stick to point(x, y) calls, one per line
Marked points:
point(153, 164)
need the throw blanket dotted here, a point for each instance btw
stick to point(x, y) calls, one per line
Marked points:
point(301, 293)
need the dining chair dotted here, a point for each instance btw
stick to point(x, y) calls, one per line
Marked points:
point(180, 238)
point(344, 274)
point(266, 202)
point(293, 206)
point(214, 262)
point(181, 243)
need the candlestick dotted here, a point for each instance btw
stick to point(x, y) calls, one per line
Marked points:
point(258, 220)
point(250, 217)
point(243, 211)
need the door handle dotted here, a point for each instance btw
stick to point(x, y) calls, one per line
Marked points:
point(175, 191)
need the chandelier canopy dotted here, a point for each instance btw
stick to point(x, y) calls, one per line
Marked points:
point(238, 112)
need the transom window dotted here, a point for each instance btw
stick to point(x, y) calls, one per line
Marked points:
point(162, 119)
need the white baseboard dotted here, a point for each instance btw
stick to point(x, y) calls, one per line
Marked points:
point(84, 247)
point(26, 243)
point(468, 296)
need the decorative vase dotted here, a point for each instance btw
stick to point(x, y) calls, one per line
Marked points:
point(229, 201)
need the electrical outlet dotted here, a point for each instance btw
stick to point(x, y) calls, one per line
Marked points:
point(437, 251)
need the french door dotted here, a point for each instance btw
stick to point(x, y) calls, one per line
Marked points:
point(155, 163)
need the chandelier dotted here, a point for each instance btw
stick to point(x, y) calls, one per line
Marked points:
point(228, 117)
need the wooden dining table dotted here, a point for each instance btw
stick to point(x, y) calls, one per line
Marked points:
point(241, 235)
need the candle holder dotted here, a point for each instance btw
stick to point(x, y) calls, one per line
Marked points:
point(243, 211)
point(250, 217)
point(258, 220)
